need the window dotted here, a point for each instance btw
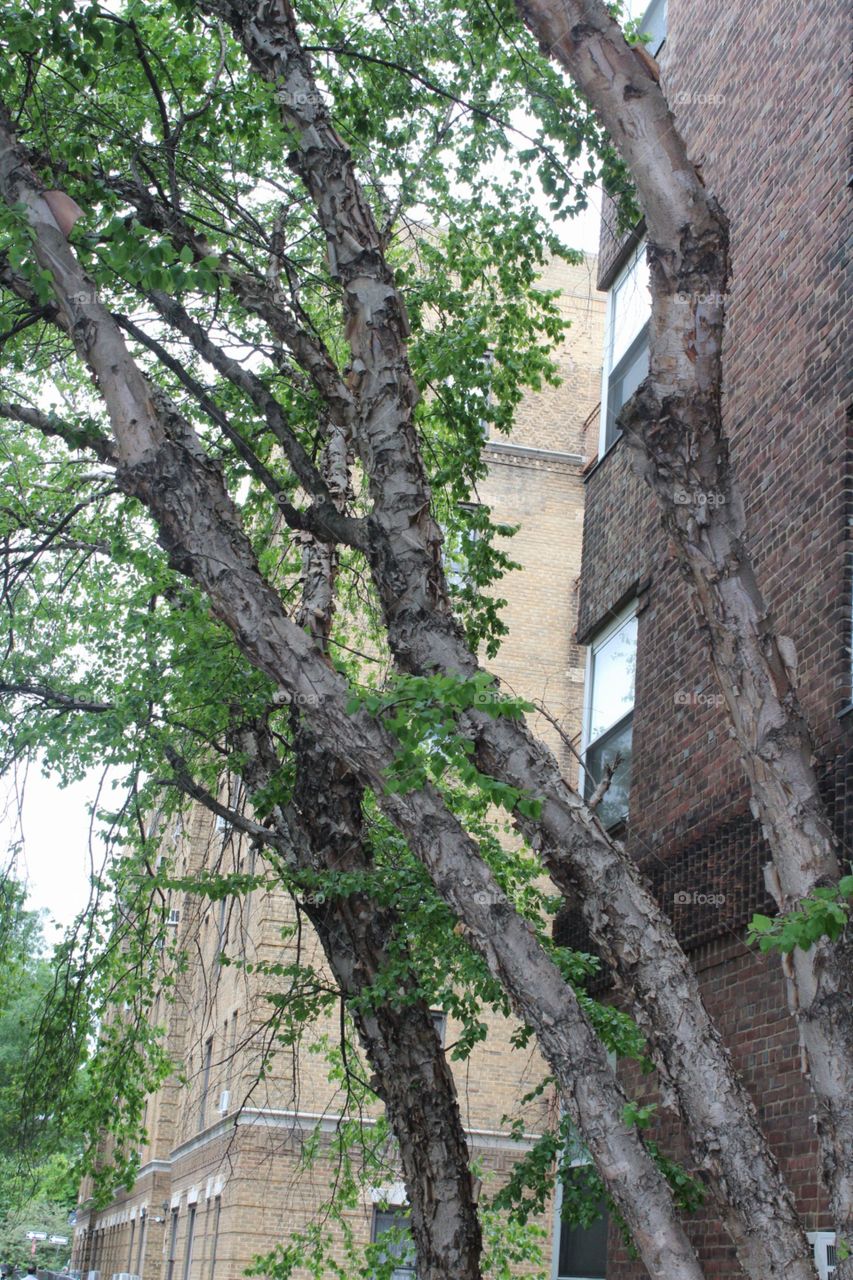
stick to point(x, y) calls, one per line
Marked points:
point(459, 544)
point(654, 25)
point(222, 930)
point(188, 1251)
point(580, 1252)
point(130, 1246)
point(140, 1254)
point(609, 713)
point(205, 1081)
point(217, 1210)
point(253, 868)
point(401, 1250)
point(439, 1021)
point(229, 1039)
point(173, 1245)
point(626, 348)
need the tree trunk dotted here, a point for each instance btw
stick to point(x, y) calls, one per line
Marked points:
point(163, 465)
point(410, 1072)
point(674, 428)
point(404, 554)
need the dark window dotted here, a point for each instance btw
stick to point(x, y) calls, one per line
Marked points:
point(173, 1245)
point(582, 1246)
point(188, 1251)
point(140, 1254)
point(439, 1021)
point(616, 742)
point(583, 1250)
point(217, 1210)
point(624, 380)
point(401, 1250)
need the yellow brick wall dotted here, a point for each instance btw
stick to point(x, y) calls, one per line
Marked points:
point(253, 1162)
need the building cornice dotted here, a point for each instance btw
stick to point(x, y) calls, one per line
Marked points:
point(304, 1121)
point(507, 453)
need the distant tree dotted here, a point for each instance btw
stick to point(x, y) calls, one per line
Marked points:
point(38, 1184)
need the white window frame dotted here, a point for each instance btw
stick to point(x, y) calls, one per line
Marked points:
point(601, 637)
point(606, 364)
point(822, 1242)
point(558, 1199)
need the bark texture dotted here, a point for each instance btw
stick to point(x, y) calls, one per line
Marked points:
point(411, 1074)
point(324, 828)
point(725, 1135)
point(163, 465)
point(674, 428)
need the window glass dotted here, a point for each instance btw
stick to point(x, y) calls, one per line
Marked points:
point(612, 678)
point(439, 1021)
point(631, 306)
point(609, 728)
point(581, 1250)
point(614, 804)
point(654, 25)
point(402, 1249)
point(626, 377)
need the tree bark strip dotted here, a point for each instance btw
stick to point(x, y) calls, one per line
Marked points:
point(324, 828)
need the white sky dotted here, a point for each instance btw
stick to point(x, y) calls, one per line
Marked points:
point(55, 861)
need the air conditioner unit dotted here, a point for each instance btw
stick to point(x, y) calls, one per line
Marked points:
point(93, 1275)
point(224, 1102)
point(825, 1253)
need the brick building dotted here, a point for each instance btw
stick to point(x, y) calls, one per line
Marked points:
point(758, 89)
point(222, 1177)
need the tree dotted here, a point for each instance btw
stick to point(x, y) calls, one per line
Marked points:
point(202, 246)
point(36, 1164)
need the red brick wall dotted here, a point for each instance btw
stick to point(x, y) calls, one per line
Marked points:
point(745, 993)
point(758, 87)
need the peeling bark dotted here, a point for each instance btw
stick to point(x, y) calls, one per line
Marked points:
point(163, 466)
point(635, 936)
point(675, 432)
point(411, 1073)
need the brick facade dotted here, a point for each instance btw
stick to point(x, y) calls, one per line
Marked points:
point(758, 90)
point(241, 1170)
